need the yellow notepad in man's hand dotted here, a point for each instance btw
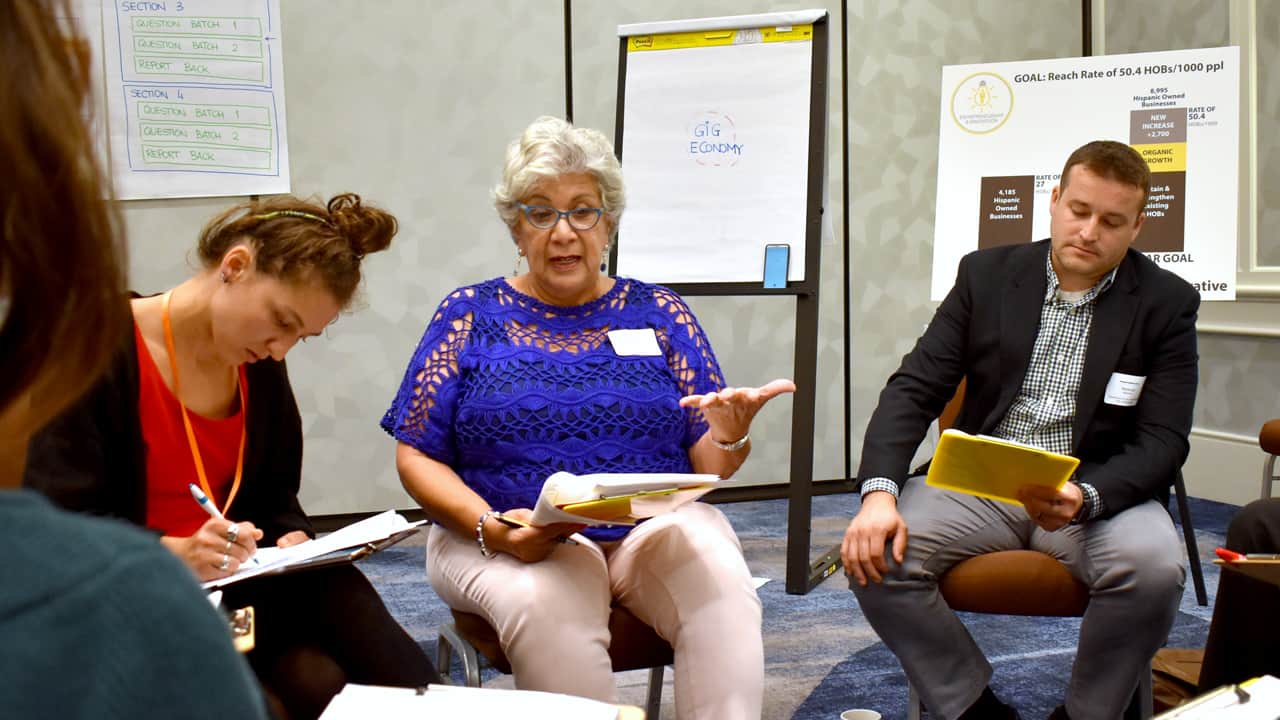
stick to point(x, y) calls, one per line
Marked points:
point(993, 468)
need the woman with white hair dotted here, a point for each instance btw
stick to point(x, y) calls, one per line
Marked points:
point(516, 378)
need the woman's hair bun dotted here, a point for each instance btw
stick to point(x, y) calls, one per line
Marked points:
point(368, 229)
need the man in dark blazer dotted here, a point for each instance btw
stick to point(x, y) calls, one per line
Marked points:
point(1079, 345)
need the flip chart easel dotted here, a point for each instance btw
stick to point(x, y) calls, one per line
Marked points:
point(727, 130)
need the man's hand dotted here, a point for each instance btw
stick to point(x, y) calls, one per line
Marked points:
point(1051, 509)
point(864, 541)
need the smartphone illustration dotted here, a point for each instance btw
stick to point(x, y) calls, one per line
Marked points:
point(777, 258)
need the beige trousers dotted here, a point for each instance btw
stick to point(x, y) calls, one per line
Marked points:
point(682, 573)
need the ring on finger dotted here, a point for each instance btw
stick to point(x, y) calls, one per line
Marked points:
point(226, 562)
point(233, 532)
point(227, 550)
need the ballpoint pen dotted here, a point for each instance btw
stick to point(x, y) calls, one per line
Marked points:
point(514, 523)
point(213, 511)
point(205, 502)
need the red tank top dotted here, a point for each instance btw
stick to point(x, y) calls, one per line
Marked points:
point(170, 467)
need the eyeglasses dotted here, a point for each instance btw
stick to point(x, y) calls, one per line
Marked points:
point(543, 216)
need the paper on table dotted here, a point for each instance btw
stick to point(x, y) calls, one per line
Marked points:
point(1256, 699)
point(441, 701)
point(616, 498)
point(369, 530)
point(994, 468)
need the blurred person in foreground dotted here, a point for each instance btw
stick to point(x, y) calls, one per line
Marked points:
point(199, 394)
point(97, 619)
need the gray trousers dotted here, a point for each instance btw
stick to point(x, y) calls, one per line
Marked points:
point(1132, 563)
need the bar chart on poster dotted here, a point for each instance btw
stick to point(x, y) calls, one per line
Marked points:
point(195, 97)
point(1007, 128)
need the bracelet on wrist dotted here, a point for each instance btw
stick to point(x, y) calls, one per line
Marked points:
point(480, 532)
point(731, 446)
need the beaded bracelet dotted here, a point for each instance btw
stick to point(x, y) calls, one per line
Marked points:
point(480, 532)
point(732, 446)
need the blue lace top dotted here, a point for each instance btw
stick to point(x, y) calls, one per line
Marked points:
point(507, 390)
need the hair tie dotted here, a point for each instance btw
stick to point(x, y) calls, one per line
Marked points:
point(293, 213)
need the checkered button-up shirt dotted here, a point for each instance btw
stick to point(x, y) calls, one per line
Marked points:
point(1042, 412)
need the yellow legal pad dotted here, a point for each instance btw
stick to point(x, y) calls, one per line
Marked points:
point(631, 508)
point(992, 468)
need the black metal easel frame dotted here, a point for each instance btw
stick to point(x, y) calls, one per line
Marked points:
point(802, 575)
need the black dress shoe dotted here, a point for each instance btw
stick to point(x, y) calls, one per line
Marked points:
point(989, 707)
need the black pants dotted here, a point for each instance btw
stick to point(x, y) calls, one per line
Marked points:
point(1244, 637)
point(317, 630)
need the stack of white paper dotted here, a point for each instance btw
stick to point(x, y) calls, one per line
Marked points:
point(616, 498)
point(370, 530)
point(357, 702)
point(1257, 699)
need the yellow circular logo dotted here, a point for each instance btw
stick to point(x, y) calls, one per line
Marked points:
point(981, 103)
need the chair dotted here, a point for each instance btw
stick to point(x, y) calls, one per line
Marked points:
point(633, 646)
point(1030, 583)
point(1269, 438)
point(1019, 582)
point(1189, 537)
point(1269, 441)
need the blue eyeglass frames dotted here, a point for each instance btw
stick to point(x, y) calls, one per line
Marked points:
point(544, 216)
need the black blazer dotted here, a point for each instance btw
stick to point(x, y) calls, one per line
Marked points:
point(985, 330)
point(92, 457)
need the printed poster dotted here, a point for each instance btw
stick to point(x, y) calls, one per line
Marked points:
point(1007, 128)
point(195, 97)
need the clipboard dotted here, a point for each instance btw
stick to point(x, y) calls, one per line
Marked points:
point(616, 498)
point(622, 509)
point(345, 545)
point(340, 557)
point(993, 468)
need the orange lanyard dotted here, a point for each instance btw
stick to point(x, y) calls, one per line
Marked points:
point(186, 420)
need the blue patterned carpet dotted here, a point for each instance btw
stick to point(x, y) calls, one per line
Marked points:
point(821, 655)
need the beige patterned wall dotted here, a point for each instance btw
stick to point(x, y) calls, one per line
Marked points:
point(411, 105)
point(1239, 375)
point(1268, 45)
point(1153, 25)
point(897, 50)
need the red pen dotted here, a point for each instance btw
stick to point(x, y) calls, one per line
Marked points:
point(1228, 555)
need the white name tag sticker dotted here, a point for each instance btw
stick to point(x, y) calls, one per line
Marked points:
point(1124, 390)
point(640, 342)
